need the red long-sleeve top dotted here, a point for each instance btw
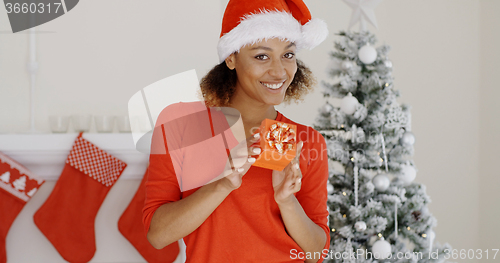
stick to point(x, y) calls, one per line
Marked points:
point(247, 226)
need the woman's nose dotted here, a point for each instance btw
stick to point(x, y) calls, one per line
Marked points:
point(277, 69)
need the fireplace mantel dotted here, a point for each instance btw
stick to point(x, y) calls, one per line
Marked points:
point(45, 154)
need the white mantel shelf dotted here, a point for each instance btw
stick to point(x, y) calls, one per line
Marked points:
point(45, 154)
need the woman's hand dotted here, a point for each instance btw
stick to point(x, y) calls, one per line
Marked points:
point(242, 158)
point(288, 181)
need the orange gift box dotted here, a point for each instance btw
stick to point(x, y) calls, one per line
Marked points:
point(278, 142)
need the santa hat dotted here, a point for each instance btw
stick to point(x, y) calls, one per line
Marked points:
point(246, 22)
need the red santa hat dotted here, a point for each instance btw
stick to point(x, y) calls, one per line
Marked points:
point(246, 22)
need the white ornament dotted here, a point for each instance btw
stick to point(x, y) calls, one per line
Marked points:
point(407, 139)
point(424, 210)
point(408, 174)
point(348, 104)
point(388, 63)
point(431, 236)
point(347, 64)
point(329, 188)
point(20, 184)
point(356, 170)
point(361, 10)
point(326, 110)
point(5, 177)
point(381, 182)
point(381, 249)
point(360, 226)
point(367, 54)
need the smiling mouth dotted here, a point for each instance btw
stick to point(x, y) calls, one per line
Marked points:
point(273, 86)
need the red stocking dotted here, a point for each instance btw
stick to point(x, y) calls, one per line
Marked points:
point(130, 225)
point(17, 186)
point(67, 217)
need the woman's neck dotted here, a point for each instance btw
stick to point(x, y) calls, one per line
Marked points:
point(253, 114)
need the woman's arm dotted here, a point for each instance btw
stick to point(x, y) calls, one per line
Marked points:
point(300, 204)
point(175, 220)
point(307, 234)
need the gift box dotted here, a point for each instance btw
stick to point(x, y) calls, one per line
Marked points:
point(278, 141)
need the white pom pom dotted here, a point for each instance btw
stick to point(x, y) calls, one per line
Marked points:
point(313, 33)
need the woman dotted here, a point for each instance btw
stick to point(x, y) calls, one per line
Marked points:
point(252, 214)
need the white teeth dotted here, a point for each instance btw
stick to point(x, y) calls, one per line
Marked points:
point(273, 86)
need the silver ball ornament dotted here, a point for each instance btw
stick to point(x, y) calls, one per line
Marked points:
point(388, 63)
point(326, 109)
point(348, 104)
point(367, 54)
point(360, 226)
point(381, 182)
point(381, 249)
point(407, 139)
point(408, 174)
point(347, 64)
point(329, 188)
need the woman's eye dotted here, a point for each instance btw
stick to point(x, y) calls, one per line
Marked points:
point(261, 57)
point(289, 55)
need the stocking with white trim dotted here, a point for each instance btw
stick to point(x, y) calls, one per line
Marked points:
point(17, 186)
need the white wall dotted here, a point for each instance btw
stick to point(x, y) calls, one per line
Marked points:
point(100, 53)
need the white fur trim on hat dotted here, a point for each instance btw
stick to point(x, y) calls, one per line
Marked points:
point(313, 33)
point(271, 24)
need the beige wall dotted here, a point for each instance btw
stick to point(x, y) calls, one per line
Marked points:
point(490, 125)
point(443, 51)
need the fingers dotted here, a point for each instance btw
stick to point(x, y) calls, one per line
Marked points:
point(253, 147)
point(299, 150)
point(253, 138)
point(251, 151)
point(250, 146)
point(235, 176)
point(254, 150)
point(297, 175)
point(245, 149)
point(293, 177)
point(246, 166)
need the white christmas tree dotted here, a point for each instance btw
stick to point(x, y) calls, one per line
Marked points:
point(20, 183)
point(374, 203)
point(5, 177)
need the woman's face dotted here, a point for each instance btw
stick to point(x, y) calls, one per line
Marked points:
point(264, 70)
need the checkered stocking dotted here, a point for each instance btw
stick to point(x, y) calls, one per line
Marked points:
point(67, 217)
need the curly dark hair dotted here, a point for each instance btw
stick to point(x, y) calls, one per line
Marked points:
point(219, 85)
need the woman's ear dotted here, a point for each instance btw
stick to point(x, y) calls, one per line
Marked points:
point(230, 61)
